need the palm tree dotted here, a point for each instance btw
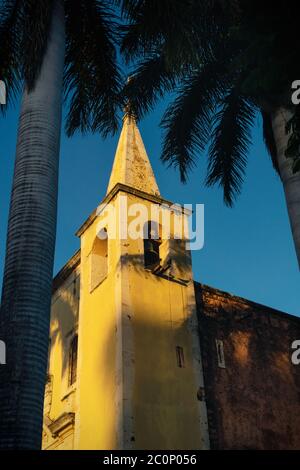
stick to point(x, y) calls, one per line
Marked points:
point(49, 46)
point(226, 60)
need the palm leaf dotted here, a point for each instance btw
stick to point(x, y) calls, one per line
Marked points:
point(178, 27)
point(187, 121)
point(230, 141)
point(9, 45)
point(150, 80)
point(92, 79)
point(36, 24)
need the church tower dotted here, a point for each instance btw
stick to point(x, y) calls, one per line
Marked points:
point(138, 380)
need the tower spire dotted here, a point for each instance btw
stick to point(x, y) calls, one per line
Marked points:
point(131, 165)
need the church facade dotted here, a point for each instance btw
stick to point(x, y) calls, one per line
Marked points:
point(143, 357)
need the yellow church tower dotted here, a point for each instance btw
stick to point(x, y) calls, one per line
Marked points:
point(125, 367)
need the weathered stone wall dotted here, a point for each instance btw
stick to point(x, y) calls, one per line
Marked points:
point(253, 392)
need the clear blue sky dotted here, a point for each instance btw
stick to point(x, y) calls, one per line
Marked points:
point(248, 250)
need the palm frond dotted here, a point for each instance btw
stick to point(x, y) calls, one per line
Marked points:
point(37, 15)
point(9, 47)
point(92, 78)
point(187, 121)
point(230, 141)
point(177, 26)
point(269, 138)
point(150, 80)
point(129, 8)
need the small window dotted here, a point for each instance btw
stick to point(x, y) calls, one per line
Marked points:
point(73, 360)
point(180, 356)
point(220, 353)
point(152, 242)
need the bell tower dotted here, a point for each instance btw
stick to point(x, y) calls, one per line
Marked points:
point(140, 380)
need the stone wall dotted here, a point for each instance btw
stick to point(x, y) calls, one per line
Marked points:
point(252, 388)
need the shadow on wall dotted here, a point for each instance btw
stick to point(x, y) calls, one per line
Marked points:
point(64, 317)
point(160, 389)
point(159, 377)
point(175, 266)
point(158, 358)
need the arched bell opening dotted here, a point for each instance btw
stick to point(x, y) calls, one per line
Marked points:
point(152, 242)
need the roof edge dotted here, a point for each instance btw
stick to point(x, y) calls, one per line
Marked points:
point(66, 270)
point(127, 189)
point(257, 305)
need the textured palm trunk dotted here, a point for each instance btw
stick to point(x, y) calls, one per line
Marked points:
point(26, 295)
point(290, 181)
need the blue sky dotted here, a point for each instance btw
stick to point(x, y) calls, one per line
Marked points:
point(248, 250)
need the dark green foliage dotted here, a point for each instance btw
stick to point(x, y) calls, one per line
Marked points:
point(187, 121)
point(34, 32)
point(92, 78)
point(254, 44)
point(9, 42)
point(24, 29)
point(152, 79)
point(229, 144)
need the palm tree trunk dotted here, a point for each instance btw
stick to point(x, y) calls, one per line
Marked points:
point(290, 181)
point(26, 295)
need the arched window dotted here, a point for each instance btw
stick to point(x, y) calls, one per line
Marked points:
point(99, 259)
point(152, 242)
point(73, 360)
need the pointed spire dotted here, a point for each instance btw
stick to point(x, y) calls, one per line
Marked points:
point(131, 165)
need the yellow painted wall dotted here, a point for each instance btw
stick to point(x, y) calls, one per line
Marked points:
point(163, 412)
point(165, 395)
point(96, 419)
point(130, 392)
point(59, 397)
point(165, 408)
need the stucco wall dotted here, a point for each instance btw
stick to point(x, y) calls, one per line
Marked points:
point(254, 402)
point(60, 397)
